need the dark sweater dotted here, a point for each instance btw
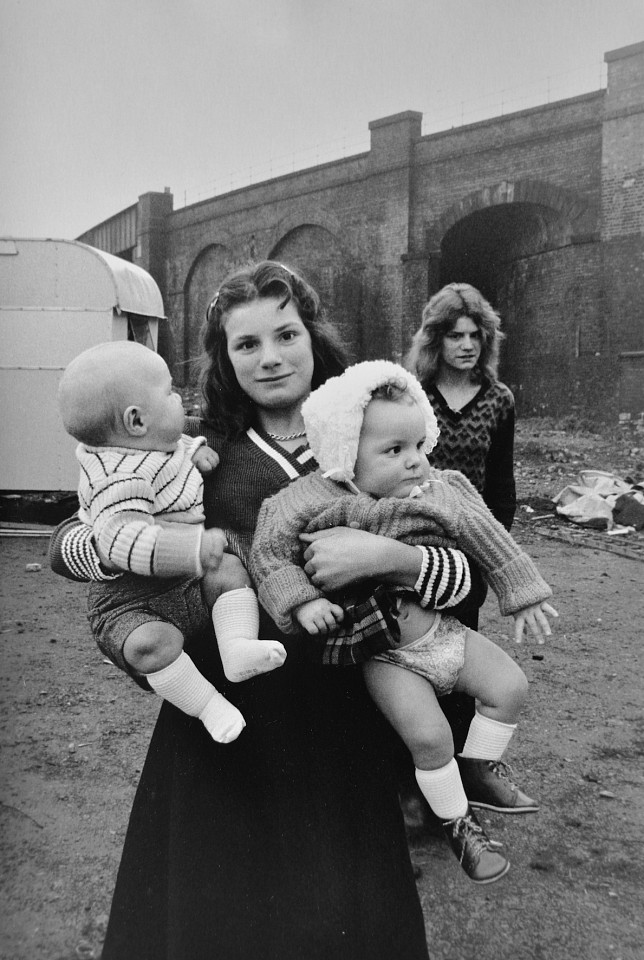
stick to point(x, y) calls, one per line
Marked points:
point(478, 440)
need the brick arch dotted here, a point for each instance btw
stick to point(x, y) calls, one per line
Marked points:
point(292, 221)
point(208, 253)
point(570, 205)
point(204, 275)
point(324, 260)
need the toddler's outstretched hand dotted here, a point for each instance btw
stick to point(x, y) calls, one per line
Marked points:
point(213, 544)
point(319, 616)
point(535, 618)
point(205, 460)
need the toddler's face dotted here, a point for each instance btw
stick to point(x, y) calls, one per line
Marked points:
point(162, 407)
point(391, 460)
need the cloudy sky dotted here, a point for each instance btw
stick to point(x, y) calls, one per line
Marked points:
point(103, 100)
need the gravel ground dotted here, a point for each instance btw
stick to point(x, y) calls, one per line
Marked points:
point(73, 736)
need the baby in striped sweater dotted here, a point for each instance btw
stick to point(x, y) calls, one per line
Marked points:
point(141, 491)
point(370, 430)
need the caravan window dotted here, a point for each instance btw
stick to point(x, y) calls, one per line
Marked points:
point(138, 329)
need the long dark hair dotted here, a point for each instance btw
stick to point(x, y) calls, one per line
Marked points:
point(225, 405)
point(440, 316)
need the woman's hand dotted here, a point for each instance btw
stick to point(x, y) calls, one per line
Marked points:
point(340, 556)
point(535, 618)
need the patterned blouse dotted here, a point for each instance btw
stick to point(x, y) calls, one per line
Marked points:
point(478, 440)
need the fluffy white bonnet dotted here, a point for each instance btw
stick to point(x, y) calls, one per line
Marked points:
point(334, 412)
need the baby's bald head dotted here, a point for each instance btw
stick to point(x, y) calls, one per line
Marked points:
point(99, 384)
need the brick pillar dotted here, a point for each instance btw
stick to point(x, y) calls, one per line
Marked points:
point(391, 167)
point(151, 234)
point(622, 204)
point(415, 285)
point(392, 139)
point(153, 212)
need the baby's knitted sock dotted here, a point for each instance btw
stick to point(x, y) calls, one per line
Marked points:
point(235, 616)
point(181, 684)
point(444, 791)
point(487, 739)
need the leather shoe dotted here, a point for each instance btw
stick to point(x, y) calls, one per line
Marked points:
point(488, 785)
point(477, 854)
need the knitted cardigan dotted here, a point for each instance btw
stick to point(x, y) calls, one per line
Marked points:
point(145, 507)
point(450, 508)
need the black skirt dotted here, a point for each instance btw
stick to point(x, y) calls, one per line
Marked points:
point(287, 844)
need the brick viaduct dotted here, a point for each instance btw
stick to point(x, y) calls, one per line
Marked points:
point(543, 210)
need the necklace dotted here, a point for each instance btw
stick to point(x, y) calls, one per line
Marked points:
point(288, 436)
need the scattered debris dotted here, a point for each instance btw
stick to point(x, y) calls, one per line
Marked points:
point(594, 500)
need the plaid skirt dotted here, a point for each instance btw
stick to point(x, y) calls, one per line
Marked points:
point(369, 627)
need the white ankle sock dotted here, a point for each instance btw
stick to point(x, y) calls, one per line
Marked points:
point(235, 616)
point(444, 791)
point(181, 684)
point(487, 739)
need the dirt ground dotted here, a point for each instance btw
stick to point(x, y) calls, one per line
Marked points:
point(74, 733)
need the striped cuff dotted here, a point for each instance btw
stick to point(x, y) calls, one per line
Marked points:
point(444, 578)
point(79, 557)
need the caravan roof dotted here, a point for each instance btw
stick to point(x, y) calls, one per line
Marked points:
point(65, 274)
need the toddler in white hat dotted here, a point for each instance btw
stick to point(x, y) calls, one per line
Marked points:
point(370, 430)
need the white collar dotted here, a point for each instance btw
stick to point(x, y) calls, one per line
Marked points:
point(291, 472)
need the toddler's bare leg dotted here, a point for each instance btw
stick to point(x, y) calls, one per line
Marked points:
point(411, 706)
point(493, 678)
point(235, 615)
point(155, 649)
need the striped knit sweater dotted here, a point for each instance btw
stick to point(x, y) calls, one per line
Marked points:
point(145, 507)
point(450, 508)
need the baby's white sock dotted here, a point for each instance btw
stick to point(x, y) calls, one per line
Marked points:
point(443, 790)
point(235, 616)
point(487, 739)
point(181, 684)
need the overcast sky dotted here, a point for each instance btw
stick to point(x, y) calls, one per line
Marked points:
point(103, 100)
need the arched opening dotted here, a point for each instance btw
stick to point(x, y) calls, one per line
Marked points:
point(520, 256)
point(480, 248)
point(206, 273)
point(317, 253)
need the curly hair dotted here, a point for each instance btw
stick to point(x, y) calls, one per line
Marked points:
point(225, 405)
point(440, 316)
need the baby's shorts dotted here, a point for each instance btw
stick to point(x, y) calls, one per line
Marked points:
point(438, 655)
point(117, 607)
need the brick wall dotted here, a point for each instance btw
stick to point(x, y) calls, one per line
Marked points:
point(543, 209)
point(622, 225)
point(631, 370)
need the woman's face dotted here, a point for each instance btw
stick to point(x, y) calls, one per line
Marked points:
point(462, 345)
point(271, 353)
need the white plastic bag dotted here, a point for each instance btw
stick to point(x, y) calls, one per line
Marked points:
point(589, 509)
